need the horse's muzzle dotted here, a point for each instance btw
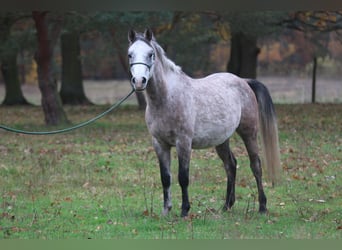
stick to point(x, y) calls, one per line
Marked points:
point(139, 83)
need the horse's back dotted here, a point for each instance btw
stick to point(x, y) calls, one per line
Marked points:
point(221, 103)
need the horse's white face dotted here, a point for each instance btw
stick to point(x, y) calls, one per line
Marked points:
point(141, 60)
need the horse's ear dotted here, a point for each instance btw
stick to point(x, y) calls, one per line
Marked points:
point(148, 34)
point(132, 35)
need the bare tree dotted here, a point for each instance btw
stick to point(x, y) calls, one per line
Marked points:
point(8, 58)
point(47, 34)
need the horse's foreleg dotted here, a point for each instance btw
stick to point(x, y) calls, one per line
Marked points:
point(229, 163)
point(184, 154)
point(163, 154)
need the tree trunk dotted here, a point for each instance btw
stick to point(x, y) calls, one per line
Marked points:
point(243, 57)
point(9, 67)
point(72, 91)
point(313, 92)
point(51, 102)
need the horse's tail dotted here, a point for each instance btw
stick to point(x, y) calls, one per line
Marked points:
point(269, 130)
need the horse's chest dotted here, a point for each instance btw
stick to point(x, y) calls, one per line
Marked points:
point(167, 127)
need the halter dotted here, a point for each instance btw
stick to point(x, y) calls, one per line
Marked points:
point(142, 63)
point(148, 64)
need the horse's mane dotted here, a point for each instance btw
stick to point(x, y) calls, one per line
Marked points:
point(160, 53)
point(165, 61)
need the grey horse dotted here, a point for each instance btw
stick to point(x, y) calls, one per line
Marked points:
point(189, 113)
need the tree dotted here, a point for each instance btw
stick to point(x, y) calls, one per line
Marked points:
point(244, 53)
point(115, 25)
point(313, 24)
point(47, 33)
point(187, 39)
point(305, 21)
point(9, 67)
point(245, 29)
point(72, 90)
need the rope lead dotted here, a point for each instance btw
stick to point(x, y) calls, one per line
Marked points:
point(77, 126)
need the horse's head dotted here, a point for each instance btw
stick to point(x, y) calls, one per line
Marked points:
point(141, 56)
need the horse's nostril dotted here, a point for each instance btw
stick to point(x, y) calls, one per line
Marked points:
point(143, 80)
point(133, 80)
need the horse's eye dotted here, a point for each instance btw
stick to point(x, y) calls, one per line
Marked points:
point(151, 55)
point(130, 56)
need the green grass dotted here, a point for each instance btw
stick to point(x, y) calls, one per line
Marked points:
point(102, 182)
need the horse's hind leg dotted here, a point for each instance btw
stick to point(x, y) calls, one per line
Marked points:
point(229, 164)
point(163, 154)
point(250, 139)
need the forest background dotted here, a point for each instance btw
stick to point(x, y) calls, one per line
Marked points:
point(71, 55)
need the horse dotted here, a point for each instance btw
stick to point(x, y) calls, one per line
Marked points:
point(189, 113)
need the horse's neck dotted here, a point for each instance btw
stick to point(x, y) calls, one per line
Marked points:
point(166, 75)
point(162, 86)
point(157, 90)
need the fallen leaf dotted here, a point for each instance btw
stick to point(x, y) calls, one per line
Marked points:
point(146, 213)
point(296, 177)
point(67, 199)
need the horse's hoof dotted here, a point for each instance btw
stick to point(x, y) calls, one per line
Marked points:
point(226, 208)
point(184, 214)
point(263, 210)
point(187, 218)
point(166, 211)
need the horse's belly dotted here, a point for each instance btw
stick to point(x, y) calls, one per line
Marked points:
point(209, 135)
point(218, 114)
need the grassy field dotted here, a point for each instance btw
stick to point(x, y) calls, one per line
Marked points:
point(102, 181)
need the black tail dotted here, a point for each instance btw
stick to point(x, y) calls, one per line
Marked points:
point(269, 129)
